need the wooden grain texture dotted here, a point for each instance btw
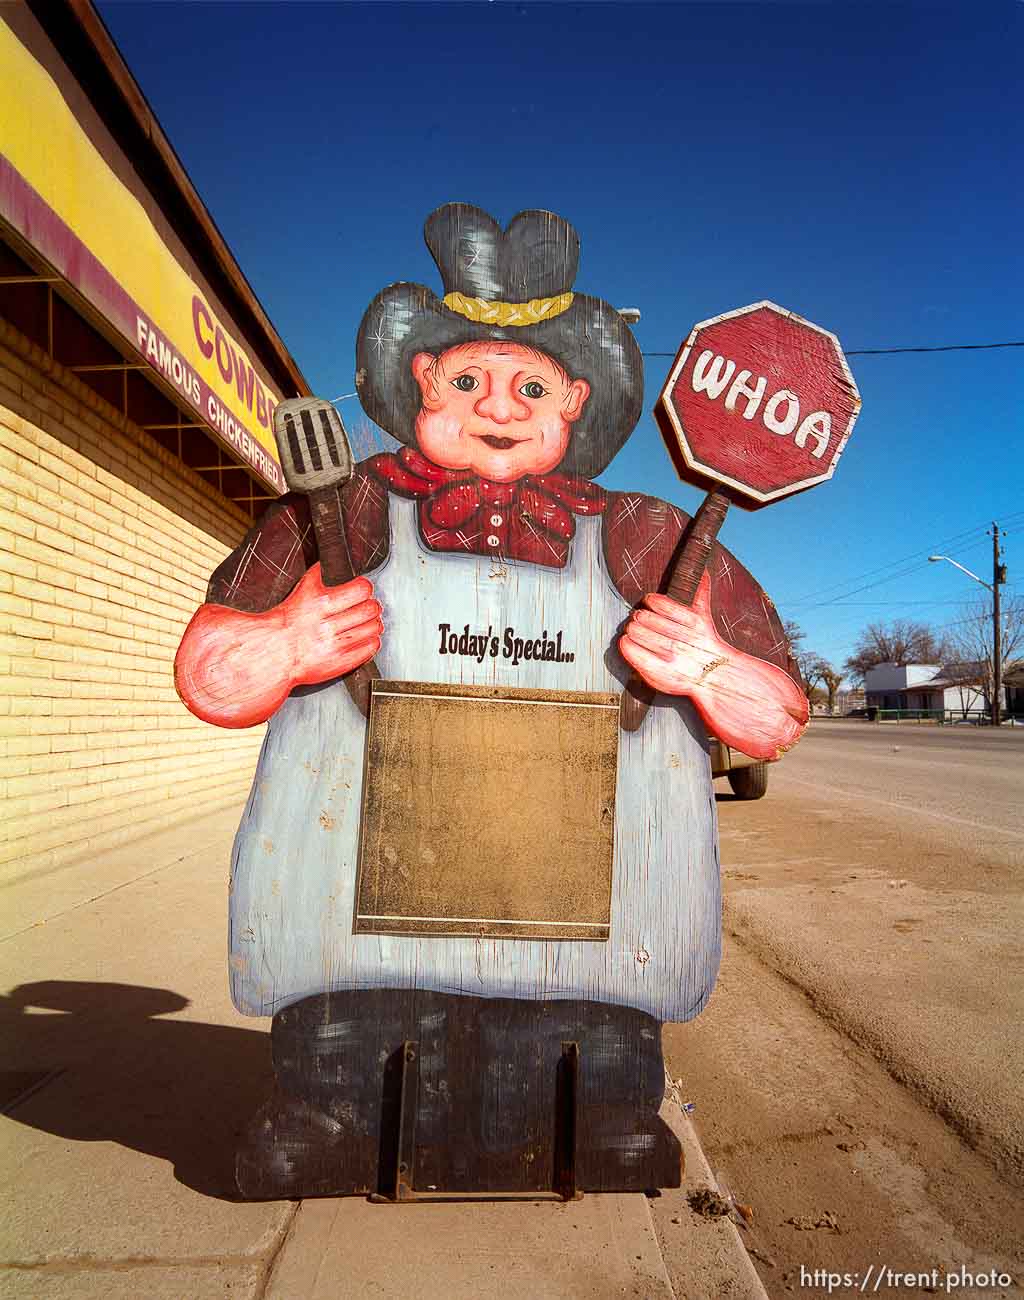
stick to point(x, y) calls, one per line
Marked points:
point(485, 1111)
point(317, 461)
point(640, 536)
point(292, 898)
point(759, 403)
point(446, 850)
point(750, 705)
point(235, 668)
point(534, 258)
point(447, 1051)
point(683, 575)
point(687, 571)
point(336, 569)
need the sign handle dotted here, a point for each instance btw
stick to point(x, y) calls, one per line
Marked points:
point(684, 575)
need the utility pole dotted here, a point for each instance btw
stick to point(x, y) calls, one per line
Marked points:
point(998, 575)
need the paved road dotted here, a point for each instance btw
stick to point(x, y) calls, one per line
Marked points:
point(863, 1053)
point(965, 776)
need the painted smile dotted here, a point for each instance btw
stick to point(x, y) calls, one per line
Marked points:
point(499, 444)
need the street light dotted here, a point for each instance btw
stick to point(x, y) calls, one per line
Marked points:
point(998, 576)
point(629, 314)
point(933, 558)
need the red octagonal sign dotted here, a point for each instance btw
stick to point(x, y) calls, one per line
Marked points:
point(760, 403)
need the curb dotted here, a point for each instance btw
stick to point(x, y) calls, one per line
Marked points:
point(703, 1257)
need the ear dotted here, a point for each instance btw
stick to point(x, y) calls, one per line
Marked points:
point(575, 399)
point(422, 370)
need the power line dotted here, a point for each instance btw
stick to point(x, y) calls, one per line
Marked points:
point(875, 604)
point(902, 573)
point(883, 352)
point(952, 347)
point(905, 566)
point(918, 563)
point(882, 568)
point(844, 627)
point(983, 617)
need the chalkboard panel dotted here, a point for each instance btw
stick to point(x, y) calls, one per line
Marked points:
point(488, 811)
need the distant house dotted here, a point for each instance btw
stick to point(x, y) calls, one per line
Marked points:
point(1013, 681)
point(960, 688)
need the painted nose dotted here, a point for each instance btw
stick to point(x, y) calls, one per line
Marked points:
point(501, 405)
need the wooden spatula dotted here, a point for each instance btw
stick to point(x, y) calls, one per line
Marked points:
point(317, 461)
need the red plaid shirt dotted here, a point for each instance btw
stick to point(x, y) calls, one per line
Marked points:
point(640, 536)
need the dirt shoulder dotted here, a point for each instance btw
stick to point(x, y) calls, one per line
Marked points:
point(860, 1060)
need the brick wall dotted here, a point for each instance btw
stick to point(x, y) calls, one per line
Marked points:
point(106, 544)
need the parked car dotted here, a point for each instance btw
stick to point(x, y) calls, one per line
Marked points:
point(747, 777)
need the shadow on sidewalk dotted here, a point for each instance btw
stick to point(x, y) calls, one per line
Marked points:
point(93, 1063)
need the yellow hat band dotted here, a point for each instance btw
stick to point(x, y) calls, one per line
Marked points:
point(534, 312)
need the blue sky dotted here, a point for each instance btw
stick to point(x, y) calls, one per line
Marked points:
point(857, 163)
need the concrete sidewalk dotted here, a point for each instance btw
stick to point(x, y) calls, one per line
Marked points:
point(128, 1077)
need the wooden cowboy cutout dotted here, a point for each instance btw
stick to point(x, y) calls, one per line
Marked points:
point(439, 1023)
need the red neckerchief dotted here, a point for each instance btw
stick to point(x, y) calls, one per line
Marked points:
point(530, 519)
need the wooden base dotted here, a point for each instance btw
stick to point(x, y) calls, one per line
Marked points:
point(401, 1093)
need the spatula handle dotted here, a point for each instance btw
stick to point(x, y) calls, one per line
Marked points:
point(336, 569)
point(331, 542)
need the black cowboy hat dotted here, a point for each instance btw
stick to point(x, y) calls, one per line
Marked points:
point(534, 259)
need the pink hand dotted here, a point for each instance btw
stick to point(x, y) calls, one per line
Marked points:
point(748, 703)
point(235, 669)
point(332, 629)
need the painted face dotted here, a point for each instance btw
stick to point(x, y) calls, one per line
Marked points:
point(498, 409)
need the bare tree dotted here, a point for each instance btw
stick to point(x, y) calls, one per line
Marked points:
point(803, 659)
point(899, 642)
point(831, 678)
point(367, 439)
point(816, 672)
point(971, 641)
point(807, 662)
point(813, 671)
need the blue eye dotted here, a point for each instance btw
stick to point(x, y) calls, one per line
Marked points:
point(464, 383)
point(533, 389)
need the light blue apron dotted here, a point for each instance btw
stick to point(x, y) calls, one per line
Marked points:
point(294, 862)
